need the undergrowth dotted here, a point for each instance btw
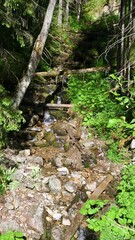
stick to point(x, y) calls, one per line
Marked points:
point(10, 119)
point(104, 109)
point(5, 178)
point(10, 235)
point(118, 222)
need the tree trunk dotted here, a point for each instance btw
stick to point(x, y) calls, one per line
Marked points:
point(35, 55)
point(60, 13)
point(67, 11)
point(69, 72)
point(121, 45)
point(129, 41)
point(78, 8)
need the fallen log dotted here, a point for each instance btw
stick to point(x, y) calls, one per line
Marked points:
point(70, 232)
point(55, 105)
point(66, 72)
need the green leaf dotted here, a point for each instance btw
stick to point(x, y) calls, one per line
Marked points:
point(19, 234)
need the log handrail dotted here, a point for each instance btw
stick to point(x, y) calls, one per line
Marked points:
point(55, 73)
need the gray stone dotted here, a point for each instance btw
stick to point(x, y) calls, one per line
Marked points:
point(16, 203)
point(9, 206)
point(63, 171)
point(91, 186)
point(48, 199)
point(19, 159)
point(132, 145)
point(66, 221)
point(36, 220)
point(9, 224)
point(39, 160)
point(88, 144)
point(24, 153)
point(18, 175)
point(56, 216)
point(70, 186)
point(58, 161)
point(54, 184)
point(29, 183)
point(56, 233)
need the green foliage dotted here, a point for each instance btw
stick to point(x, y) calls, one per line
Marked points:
point(104, 109)
point(13, 13)
point(118, 222)
point(10, 235)
point(90, 94)
point(10, 119)
point(93, 9)
point(5, 178)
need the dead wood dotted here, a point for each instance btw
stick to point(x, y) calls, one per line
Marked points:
point(70, 232)
point(66, 72)
point(55, 105)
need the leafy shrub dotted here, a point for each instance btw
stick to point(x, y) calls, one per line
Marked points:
point(90, 94)
point(102, 108)
point(10, 235)
point(5, 178)
point(10, 119)
point(118, 222)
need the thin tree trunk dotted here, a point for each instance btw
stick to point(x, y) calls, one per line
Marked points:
point(78, 7)
point(121, 45)
point(129, 40)
point(60, 13)
point(67, 11)
point(35, 55)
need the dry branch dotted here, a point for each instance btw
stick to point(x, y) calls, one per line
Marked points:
point(55, 105)
point(56, 73)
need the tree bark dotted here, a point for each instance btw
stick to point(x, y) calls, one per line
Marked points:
point(67, 11)
point(121, 40)
point(60, 13)
point(35, 55)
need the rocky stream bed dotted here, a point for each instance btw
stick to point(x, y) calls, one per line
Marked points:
point(58, 168)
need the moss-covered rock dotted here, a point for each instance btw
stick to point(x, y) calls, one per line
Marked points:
point(50, 137)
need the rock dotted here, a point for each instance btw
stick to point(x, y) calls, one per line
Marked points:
point(91, 186)
point(33, 120)
point(49, 211)
point(38, 160)
point(54, 184)
point(56, 216)
point(16, 203)
point(9, 206)
point(9, 224)
point(70, 186)
point(35, 220)
point(74, 158)
point(59, 128)
point(56, 233)
point(35, 129)
point(18, 175)
point(78, 178)
point(63, 171)
point(50, 137)
point(66, 221)
point(88, 144)
point(19, 159)
point(58, 160)
point(24, 153)
point(29, 183)
point(132, 145)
